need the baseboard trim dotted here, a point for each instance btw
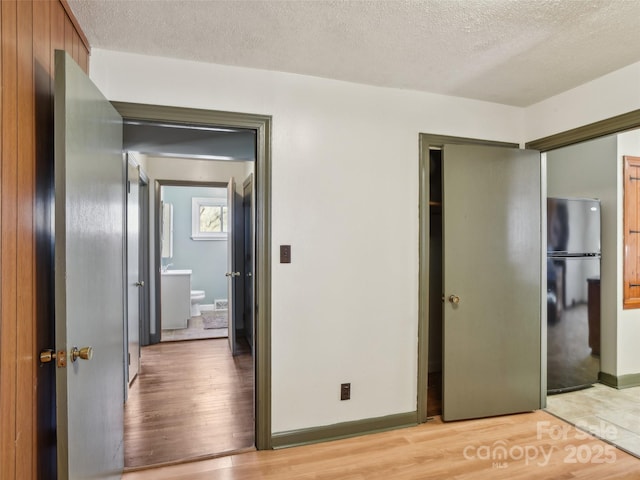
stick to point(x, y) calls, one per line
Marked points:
point(621, 381)
point(336, 431)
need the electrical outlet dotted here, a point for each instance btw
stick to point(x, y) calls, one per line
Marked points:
point(285, 253)
point(345, 391)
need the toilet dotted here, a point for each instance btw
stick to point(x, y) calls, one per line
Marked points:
point(197, 296)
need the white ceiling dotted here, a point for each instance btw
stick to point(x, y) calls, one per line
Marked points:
point(515, 52)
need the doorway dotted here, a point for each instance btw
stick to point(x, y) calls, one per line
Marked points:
point(194, 228)
point(194, 235)
point(260, 334)
point(456, 311)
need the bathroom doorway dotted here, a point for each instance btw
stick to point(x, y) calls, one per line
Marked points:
point(195, 232)
point(166, 169)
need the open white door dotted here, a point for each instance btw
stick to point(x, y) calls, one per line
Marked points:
point(89, 295)
point(232, 274)
point(492, 270)
point(133, 270)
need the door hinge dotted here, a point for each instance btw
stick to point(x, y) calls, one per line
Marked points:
point(129, 358)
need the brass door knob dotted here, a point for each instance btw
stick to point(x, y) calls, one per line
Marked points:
point(85, 353)
point(139, 284)
point(455, 299)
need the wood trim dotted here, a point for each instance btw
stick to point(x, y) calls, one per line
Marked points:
point(8, 247)
point(76, 26)
point(617, 124)
point(158, 184)
point(424, 212)
point(25, 244)
point(337, 431)
point(194, 116)
point(262, 125)
point(30, 31)
point(621, 381)
point(631, 232)
point(438, 141)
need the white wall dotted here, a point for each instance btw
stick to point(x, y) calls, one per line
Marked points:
point(589, 170)
point(610, 95)
point(169, 168)
point(346, 309)
point(628, 320)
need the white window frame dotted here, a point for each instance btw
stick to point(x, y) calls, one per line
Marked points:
point(196, 203)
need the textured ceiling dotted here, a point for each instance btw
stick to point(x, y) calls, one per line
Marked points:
point(515, 52)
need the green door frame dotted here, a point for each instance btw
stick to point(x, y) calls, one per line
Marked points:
point(261, 124)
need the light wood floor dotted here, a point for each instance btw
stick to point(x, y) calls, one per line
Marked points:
point(433, 450)
point(191, 399)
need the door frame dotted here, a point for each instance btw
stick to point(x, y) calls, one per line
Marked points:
point(158, 184)
point(427, 141)
point(145, 300)
point(131, 161)
point(261, 124)
point(248, 237)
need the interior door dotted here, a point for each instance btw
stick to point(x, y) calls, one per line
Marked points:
point(232, 274)
point(89, 291)
point(134, 284)
point(491, 278)
point(247, 261)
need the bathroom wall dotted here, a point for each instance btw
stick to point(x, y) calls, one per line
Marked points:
point(207, 259)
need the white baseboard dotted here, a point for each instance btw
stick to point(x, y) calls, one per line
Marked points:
point(206, 307)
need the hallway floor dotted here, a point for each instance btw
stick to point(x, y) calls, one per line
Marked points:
point(609, 413)
point(191, 400)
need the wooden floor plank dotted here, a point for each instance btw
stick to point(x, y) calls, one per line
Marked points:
point(434, 450)
point(190, 400)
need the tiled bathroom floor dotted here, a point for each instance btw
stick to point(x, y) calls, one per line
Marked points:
point(609, 413)
point(195, 331)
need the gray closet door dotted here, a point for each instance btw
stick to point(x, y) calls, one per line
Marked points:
point(491, 269)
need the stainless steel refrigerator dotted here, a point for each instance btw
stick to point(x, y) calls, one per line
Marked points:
point(573, 293)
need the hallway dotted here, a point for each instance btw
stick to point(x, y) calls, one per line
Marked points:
point(192, 399)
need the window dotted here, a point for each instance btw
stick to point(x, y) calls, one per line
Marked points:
point(209, 219)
